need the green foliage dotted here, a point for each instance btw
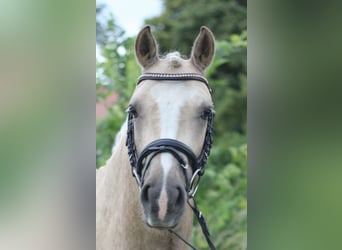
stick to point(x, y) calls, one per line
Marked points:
point(225, 181)
point(222, 193)
point(224, 186)
point(117, 72)
point(228, 77)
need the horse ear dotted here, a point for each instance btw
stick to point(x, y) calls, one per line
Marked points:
point(146, 48)
point(203, 49)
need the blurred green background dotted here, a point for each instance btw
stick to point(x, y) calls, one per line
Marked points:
point(222, 193)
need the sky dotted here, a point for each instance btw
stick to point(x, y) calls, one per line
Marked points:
point(130, 14)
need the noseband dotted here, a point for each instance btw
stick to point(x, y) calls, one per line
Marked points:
point(178, 149)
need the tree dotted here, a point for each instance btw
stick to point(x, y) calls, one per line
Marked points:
point(223, 17)
point(116, 72)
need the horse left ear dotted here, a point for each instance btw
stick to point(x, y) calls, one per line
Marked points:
point(203, 49)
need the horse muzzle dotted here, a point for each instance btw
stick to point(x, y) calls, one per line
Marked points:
point(163, 205)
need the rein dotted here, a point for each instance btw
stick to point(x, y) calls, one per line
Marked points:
point(140, 162)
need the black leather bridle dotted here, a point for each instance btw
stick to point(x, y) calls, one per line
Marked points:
point(178, 149)
point(140, 162)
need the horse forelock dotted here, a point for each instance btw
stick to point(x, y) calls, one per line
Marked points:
point(174, 60)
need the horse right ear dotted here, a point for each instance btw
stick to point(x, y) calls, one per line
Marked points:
point(146, 48)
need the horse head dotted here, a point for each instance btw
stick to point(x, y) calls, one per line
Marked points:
point(169, 126)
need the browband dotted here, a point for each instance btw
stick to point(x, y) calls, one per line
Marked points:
point(173, 77)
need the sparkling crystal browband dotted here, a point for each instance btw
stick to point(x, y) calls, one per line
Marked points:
point(173, 77)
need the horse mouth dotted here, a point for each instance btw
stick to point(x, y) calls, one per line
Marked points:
point(161, 226)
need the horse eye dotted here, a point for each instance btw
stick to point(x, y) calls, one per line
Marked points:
point(133, 111)
point(205, 113)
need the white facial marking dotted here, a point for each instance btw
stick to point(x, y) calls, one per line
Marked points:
point(162, 202)
point(170, 101)
point(169, 109)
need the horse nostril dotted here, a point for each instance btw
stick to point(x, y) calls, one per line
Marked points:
point(144, 193)
point(180, 197)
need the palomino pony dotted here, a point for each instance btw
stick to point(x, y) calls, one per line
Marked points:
point(164, 143)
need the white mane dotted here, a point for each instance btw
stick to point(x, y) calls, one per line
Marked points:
point(118, 136)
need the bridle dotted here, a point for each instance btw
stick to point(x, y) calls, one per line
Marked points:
point(140, 162)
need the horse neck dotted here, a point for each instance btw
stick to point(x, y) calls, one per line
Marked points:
point(124, 215)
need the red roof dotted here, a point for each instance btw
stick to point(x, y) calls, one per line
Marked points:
point(103, 105)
